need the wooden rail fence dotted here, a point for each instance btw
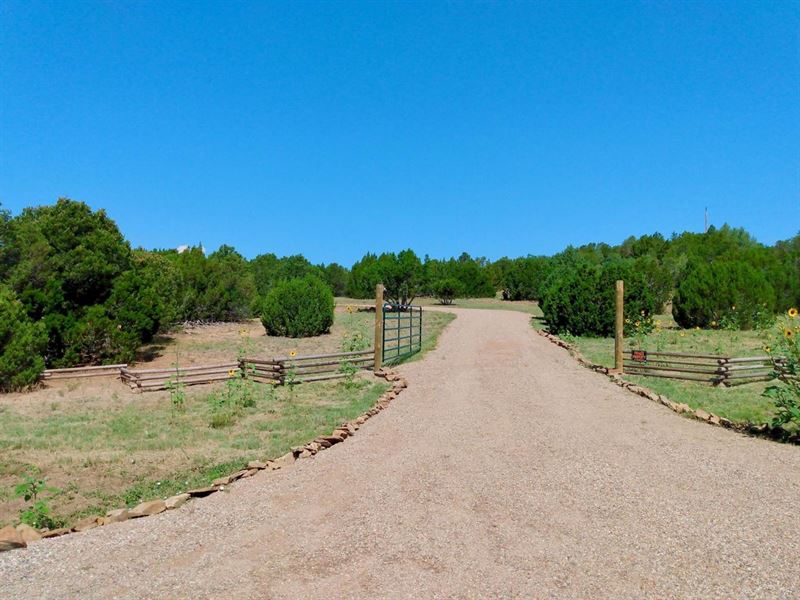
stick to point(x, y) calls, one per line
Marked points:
point(319, 367)
point(277, 371)
point(158, 379)
point(717, 370)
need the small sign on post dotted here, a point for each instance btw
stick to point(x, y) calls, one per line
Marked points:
point(639, 356)
point(378, 327)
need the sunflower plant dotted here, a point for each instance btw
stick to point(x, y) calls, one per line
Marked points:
point(176, 387)
point(785, 352)
point(641, 328)
point(290, 374)
point(352, 342)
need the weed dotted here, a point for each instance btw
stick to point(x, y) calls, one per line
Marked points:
point(176, 387)
point(238, 395)
point(352, 342)
point(31, 489)
point(290, 376)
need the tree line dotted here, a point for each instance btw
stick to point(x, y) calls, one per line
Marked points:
point(73, 291)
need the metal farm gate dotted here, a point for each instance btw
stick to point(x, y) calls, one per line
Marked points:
point(402, 331)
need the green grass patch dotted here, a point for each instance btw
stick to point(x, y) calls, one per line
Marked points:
point(741, 404)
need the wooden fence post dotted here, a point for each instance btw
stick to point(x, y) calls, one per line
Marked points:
point(723, 371)
point(378, 327)
point(619, 327)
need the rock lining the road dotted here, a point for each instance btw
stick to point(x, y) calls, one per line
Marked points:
point(755, 429)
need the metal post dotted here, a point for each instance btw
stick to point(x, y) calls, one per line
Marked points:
point(619, 327)
point(378, 327)
point(420, 328)
point(397, 334)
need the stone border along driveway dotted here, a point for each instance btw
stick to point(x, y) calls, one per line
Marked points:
point(19, 537)
point(760, 430)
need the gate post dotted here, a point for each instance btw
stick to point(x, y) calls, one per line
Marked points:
point(619, 327)
point(378, 327)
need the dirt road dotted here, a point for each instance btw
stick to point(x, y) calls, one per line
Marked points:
point(505, 470)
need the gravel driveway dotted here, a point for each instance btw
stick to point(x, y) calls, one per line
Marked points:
point(505, 470)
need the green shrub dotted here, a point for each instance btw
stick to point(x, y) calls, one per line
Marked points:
point(723, 292)
point(402, 275)
point(447, 290)
point(525, 278)
point(268, 269)
point(99, 339)
point(219, 287)
point(656, 278)
point(337, 277)
point(136, 305)
point(231, 287)
point(298, 308)
point(580, 296)
point(471, 273)
point(62, 260)
point(21, 345)
point(364, 276)
point(68, 253)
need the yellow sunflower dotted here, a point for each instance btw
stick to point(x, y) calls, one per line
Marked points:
point(792, 312)
point(293, 353)
point(788, 333)
point(232, 373)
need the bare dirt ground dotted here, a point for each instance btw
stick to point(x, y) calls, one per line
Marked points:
point(505, 470)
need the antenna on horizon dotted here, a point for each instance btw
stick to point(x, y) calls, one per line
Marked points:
point(705, 220)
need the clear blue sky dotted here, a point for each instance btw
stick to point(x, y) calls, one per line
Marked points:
point(335, 128)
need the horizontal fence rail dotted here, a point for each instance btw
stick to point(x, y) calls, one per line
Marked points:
point(79, 372)
point(706, 368)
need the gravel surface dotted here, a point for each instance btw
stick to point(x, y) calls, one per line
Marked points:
point(505, 470)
